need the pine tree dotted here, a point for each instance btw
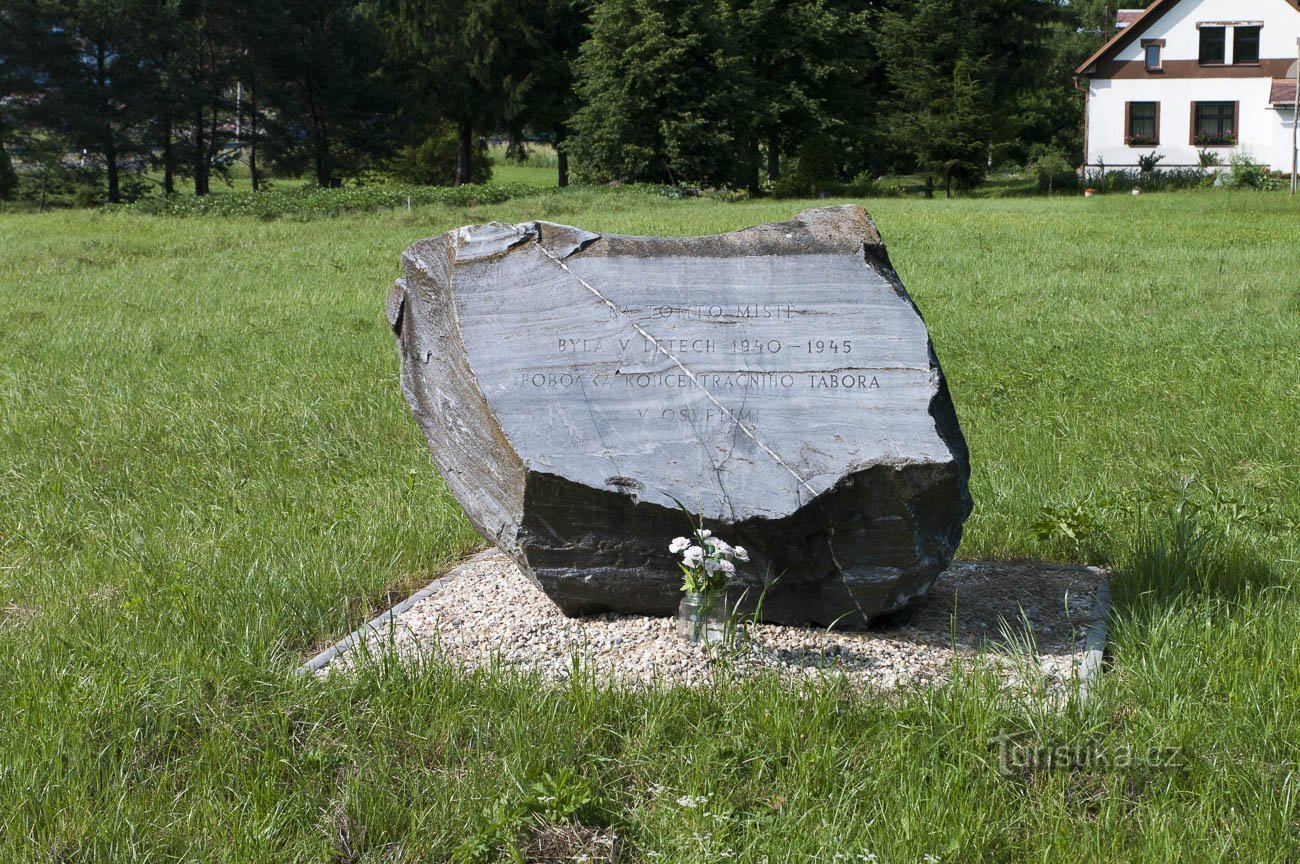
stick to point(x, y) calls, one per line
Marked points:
point(458, 59)
point(663, 92)
point(955, 72)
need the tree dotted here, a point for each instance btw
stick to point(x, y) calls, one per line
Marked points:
point(546, 98)
point(810, 65)
point(458, 61)
point(663, 90)
point(955, 71)
point(317, 93)
point(87, 54)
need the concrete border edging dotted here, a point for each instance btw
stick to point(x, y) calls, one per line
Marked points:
point(376, 624)
point(1094, 646)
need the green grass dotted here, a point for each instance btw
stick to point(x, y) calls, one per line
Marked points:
point(538, 170)
point(207, 470)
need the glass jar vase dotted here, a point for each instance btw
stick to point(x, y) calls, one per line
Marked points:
point(702, 617)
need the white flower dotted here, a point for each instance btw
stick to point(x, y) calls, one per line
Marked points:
point(930, 859)
point(704, 533)
point(718, 546)
point(713, 565)
point(693, 556)
point(678, 544)
point(740, 553)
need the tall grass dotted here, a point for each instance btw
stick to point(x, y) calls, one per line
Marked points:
point(208, 470)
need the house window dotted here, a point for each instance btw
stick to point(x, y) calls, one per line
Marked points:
point(1142, 127)
point(1214, 124)
point(1151, 50)
point(1214, 41)
point(1245, 46)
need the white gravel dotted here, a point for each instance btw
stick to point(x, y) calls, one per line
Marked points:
point(487, 611)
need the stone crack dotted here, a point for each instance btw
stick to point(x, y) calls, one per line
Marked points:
point(682, 366)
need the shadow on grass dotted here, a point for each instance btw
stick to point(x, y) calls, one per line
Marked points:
point(1177, 559)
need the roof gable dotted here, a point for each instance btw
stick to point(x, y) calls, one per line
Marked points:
point(1128, 35)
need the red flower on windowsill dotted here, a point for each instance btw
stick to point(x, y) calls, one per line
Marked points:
point(1226, 138)
point(1141, 140)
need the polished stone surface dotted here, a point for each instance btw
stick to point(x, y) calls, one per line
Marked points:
point(778, 381)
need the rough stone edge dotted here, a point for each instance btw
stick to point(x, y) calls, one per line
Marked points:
point(376, 624)
point(1094, 646)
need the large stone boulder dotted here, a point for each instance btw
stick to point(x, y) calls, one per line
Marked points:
point(777, 381)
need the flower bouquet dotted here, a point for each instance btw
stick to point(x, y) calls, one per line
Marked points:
point(708, 564)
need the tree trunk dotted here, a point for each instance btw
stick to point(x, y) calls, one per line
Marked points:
point(561, 161)
point(200, 155)
point(465, 154)
point(169, 158)
point(929, 185)
point(752, 184)
point(110, 162)
point(773, 161)
point(323, 178)
point(252, 138)
point(108, 147)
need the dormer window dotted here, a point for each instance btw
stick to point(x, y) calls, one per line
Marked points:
point(1151, 51)
point(1214, 43)
point(1245, 46)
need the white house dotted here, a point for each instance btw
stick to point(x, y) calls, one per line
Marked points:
point(1183, 76)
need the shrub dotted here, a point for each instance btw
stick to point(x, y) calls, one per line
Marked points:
point(433, 161)
point(1245, 173)
point(8, 177)
point(1052, 170)
point(87, 195)
point(1148, 161)
point(316, 203)
point(1209, 158)
point(1126, 179)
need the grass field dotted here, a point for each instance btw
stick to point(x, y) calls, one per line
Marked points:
point(207, 470)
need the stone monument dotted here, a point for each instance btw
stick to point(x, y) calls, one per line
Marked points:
point(575, 388)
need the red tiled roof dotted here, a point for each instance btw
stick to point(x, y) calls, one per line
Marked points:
point(1283, 92)
point(1125, 17)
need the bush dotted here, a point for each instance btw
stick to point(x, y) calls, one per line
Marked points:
point(1147, 162)
point(316, 203)
point(1245, 173)
point(1126, 179)
point(433, 161)
point(1052, 170)
point(8, 177)
point(87, 195)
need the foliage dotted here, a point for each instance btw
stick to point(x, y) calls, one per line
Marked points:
point(460, 62)
point(1245, 173)
point(324, 100)
point(8, 178)
point(315, 203)
point(433, 162)
point(553, 799)
point(1147, 162)
point(1052, 170)
point(662, 90)
point(952, 88)
point(1126, 179)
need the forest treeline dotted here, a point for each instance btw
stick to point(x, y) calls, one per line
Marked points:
point(735, 93)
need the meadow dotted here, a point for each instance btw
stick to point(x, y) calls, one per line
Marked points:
point(208, 471)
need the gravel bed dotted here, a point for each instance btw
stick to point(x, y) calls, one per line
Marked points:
point(487, 611)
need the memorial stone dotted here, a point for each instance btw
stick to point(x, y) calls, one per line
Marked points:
point(577, 390)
